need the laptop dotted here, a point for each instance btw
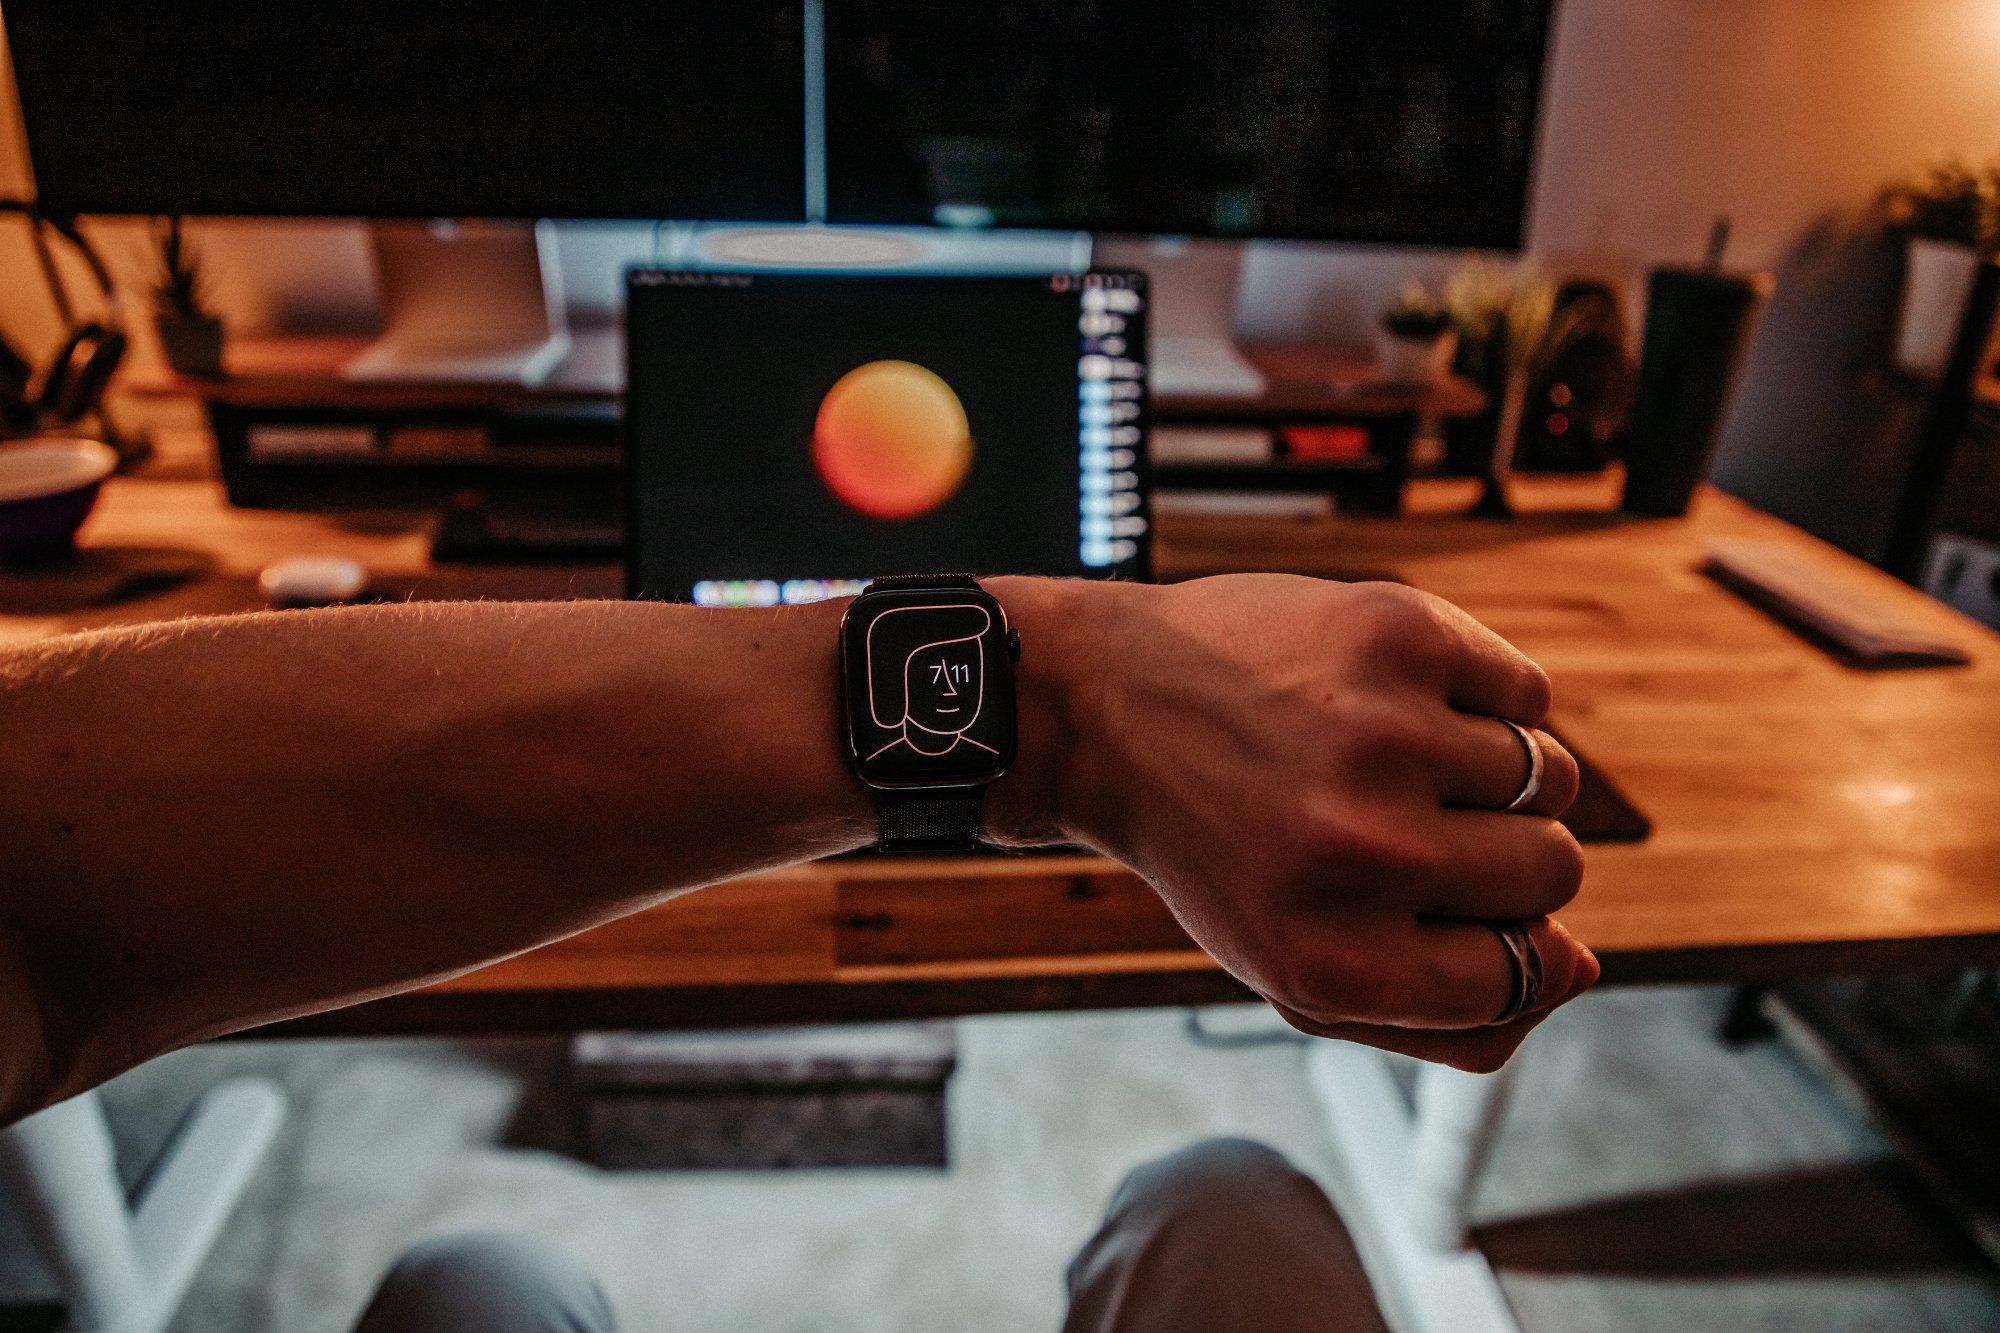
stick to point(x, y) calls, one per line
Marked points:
point(791, 436)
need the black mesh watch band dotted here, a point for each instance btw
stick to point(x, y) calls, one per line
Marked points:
point(928, 821)
point(891, 582)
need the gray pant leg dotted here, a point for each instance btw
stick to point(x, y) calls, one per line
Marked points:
point(486, 1284)
point(1225, 1236)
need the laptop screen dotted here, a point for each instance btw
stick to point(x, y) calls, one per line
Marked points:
point(790, 437)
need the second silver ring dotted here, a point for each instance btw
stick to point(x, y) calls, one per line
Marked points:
point(1525, 957)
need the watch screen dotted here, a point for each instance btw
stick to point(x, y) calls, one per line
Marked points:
point(930, 690)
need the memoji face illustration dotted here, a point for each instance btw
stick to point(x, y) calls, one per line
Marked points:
point(929, 694)
point(942, 688)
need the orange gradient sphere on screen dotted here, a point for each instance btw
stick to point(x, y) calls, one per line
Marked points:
point(891, 440)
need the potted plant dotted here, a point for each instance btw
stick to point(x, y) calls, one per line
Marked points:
point(1418, 338)
point(1951, 217)
point(1510, 324)
point(190, 332)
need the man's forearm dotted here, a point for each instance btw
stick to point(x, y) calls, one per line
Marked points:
point(214, 823)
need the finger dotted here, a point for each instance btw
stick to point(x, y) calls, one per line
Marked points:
point(1483, 765)
point(1487, 863)
point(1489, 675)
point(1429, 975)
point(1470, 975)
point(1478, 1050)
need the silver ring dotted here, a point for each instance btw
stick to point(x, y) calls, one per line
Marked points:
point(1532, 787)
point(1525, 957)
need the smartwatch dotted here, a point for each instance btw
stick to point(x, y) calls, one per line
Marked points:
point(927, 706)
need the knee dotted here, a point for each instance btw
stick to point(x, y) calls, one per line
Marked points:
point(471, 1261)
point(483, 1280)
point(1215, 1178)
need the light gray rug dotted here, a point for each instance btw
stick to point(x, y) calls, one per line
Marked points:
point(1626, 1101)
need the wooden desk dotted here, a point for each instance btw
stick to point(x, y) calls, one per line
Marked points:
point(1809, 817)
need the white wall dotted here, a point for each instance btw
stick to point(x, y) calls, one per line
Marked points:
point(1667, 112)
point(1659, 115)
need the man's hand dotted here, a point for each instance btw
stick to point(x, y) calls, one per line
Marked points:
point(1313, 777)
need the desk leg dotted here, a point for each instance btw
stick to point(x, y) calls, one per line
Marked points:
point(122, 1267)
point(1403, 1177)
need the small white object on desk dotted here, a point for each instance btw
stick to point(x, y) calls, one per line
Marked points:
point(1211, 444)
point(1202, 367)
point(1851, 609)
point(1302, 505)
point(313, 580)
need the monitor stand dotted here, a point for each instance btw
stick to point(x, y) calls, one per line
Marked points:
point(1192, 300)
point(466, 302)
point(815, 247)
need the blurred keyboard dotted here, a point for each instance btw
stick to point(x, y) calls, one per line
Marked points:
point(1853, 612)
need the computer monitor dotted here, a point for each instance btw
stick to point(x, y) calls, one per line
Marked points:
point(416, 109)
point(790, 437)
point(1352, 120)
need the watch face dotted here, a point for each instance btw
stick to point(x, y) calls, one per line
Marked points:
point(930, 688)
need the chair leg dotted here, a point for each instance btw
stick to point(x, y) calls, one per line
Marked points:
point(58, 1168)
point(119, 1266)
point(1402, 1178)
point(1457, 1121)
point(1745, 1024)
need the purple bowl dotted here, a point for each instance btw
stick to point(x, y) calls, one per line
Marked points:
point(47, 489)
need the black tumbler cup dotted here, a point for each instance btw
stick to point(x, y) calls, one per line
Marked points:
point(1698, 324)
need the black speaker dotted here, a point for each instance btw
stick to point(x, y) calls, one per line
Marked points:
point(1577, 405)
point(72, 385)
point(1698, 324)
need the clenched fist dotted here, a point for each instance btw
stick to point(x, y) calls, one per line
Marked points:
point(1314, 776)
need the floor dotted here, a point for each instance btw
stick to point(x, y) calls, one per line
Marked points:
point(1647, 1179)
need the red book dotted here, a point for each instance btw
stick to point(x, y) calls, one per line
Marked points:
point(1325, 443)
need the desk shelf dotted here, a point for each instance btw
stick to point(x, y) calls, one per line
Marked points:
point(1371, 482)
point(298, 381)
point(561, 458)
